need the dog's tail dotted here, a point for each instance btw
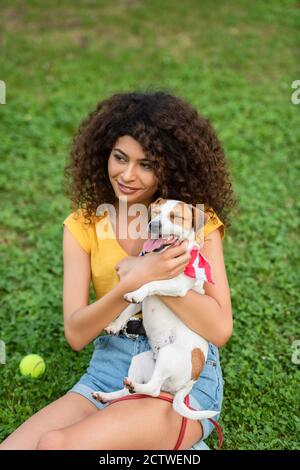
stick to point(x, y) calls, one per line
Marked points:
point(182, 409)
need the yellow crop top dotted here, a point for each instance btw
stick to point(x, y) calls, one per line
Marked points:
point(106, 252)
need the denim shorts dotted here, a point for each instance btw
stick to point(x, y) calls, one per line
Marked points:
point(110, 363)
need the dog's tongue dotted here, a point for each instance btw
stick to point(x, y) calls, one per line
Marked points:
point(157, 243)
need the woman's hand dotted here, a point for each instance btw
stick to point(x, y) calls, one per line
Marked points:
point(157, 266)
point(126, 264)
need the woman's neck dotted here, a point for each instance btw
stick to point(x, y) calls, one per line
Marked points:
point(127, 207)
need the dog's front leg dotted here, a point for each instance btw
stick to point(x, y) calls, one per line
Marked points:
point(140, 294)
point(178, 286)
point(118, 324)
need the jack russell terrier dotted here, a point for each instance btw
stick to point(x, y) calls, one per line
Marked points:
point(177, 354)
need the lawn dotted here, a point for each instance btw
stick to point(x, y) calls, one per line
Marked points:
point(235, 61)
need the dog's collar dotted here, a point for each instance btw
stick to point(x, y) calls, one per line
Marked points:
point(199, 267)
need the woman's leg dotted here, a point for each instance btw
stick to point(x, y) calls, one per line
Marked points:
point(65, 411)
point(147, 423)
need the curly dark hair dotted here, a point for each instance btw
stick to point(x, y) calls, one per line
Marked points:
point(187, 156)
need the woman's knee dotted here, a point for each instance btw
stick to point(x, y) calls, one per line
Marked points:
point(52, 440)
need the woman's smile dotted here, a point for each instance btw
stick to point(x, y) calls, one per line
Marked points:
point(127, 190)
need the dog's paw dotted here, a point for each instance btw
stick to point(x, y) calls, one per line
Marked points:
point(136, 296)
point(129, 384)
point(99, 397)
point(181, 293)
point(114, 328)
point(128, 297)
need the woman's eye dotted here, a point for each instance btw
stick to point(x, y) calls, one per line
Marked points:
point(118, 157)
point(148, 167)
point(145, 165)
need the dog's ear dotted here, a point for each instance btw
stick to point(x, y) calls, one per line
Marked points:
point(150, 208)
point(156, 203)
point(149, 212)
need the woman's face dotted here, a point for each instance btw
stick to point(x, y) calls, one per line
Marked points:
point(128, 165)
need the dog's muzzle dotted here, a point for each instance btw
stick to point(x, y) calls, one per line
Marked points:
point(134, 328)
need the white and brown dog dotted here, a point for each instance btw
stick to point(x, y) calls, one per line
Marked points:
point(177, 354)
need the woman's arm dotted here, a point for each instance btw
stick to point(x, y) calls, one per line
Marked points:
point(87, 323)
point(84, 322)
point(209, 315)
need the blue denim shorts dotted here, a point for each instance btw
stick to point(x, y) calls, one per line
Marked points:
point(110, 363)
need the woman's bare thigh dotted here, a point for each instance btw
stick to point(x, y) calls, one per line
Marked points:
point(134, 424)
point(65, 411)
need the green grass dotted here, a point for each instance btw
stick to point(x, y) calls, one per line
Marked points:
point(235, 61)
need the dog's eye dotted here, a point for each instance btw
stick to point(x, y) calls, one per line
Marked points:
point(176, 216)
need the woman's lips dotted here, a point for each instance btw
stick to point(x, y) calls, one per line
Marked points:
point(126, 190)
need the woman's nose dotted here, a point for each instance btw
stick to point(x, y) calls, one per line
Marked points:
point(128, 173)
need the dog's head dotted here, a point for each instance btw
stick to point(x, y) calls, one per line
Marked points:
point(171, 221)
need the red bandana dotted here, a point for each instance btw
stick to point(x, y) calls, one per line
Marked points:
point(198, 266)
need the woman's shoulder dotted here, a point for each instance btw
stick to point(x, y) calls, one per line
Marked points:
point(212, 222)
point(81, 228)
point(80, 217)
point(84, 229)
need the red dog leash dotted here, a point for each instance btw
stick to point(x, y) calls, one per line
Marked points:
point(184, 419)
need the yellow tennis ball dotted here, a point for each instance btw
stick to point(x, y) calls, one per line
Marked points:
point(33, 365)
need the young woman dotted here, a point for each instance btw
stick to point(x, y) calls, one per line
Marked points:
point(157, 145)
